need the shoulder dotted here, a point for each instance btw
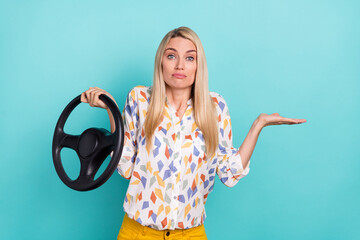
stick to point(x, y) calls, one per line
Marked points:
point(140, 93)
point(219, 102)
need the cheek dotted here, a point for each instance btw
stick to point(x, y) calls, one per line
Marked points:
point(166, 66)
point(192, 69)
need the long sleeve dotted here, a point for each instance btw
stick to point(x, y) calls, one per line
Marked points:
point(229, 166)
point(130, 118)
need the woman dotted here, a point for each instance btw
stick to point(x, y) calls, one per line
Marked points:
point(177, 137)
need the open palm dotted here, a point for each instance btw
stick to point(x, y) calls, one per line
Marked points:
point(276, 119)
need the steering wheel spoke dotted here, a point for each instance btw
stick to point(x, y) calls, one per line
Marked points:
point(85, 169)
point(70, 141)
point(108, 141)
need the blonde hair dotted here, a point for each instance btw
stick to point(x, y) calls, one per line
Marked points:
point(203, 105)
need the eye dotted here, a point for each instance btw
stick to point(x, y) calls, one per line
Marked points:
point(171, 56)
point(190, 58)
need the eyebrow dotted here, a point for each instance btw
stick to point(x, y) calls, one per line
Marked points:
point(176, 50)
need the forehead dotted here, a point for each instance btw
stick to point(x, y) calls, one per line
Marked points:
point(181, 44)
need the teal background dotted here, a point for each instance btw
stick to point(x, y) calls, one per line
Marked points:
point(298, 58)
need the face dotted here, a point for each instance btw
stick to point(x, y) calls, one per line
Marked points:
point(179, 64)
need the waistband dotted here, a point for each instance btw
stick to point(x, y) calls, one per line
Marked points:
point(164, 234)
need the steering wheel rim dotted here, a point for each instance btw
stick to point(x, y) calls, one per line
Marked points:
point(90, 144)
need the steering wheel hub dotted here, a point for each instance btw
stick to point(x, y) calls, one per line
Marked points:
point(88, 143)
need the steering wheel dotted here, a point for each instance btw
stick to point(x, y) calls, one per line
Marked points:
point(92, 148)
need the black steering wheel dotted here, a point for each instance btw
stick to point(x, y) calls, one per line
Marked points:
point(92, 148)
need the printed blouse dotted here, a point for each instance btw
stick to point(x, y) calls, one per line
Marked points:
point(169, 186)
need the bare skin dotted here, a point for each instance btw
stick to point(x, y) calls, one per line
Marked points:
point(263, 120)
point(179, 70)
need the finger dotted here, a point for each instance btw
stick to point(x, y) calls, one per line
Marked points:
point(96, 99)
point(278, 120)
point(301, 120)
point(99, 102)
point(92, 96)
point(83, 98)
point(295, 121)
point(89, 96)
point(289, 120)
point(95, 94)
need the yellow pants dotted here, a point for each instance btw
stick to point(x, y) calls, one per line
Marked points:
point(132, 230)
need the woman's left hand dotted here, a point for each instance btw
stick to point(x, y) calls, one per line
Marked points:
point(276, 119)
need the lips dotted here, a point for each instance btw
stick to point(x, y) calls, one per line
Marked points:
point(179, 75)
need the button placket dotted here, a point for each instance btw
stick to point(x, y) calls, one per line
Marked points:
point(175, 190)
point(178, 161)
point(179, 140)
point(177, 149)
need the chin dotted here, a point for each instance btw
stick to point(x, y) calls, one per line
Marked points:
point(179, 86)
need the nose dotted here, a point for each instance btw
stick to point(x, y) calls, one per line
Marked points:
point(179, 64)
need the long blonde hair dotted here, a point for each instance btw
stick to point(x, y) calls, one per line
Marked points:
point(203, 106)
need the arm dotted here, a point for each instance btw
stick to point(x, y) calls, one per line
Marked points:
point(247, 147)
point(230, 167)
point(233, 164)
point(112, 122)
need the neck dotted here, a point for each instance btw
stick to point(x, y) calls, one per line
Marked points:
point(178, 97)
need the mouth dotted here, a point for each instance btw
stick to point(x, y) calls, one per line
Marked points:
point(179, 75)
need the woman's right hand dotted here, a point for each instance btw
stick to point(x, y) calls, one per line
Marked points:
point(91, 96)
